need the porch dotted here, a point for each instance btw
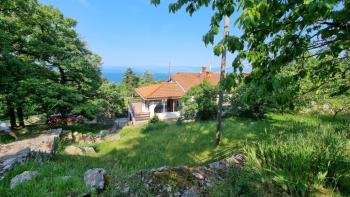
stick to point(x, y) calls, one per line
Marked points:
point(142, 110)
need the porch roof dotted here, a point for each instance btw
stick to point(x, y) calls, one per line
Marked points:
point(164, 90)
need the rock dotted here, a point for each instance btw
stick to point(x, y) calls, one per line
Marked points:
point(190, 193)
point(4, 127)
point(89, 150)
point(95, 178)
point(8, 162)
point(68, 137)
point(88, 138)
point(235, 160)
point(40, 148)
point(73, 150)
point(198, 176)
point(103, 133)
point(24, 177)
point(77, 136)
point(182, 181)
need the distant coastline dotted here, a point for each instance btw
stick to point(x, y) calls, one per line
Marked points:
point(118, 77)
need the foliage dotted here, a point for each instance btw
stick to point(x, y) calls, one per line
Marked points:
point(199, 102)
point(154, 124)
point(301, 164)
point(174, 145)
point(242, 106)
point(147, 78)
point(130, 81)
point(282, 37)
point(43, 62)
point(154, 120)
point(112, 98)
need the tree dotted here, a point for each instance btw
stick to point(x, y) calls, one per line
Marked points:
point(221, 89)
point(130, 81)
point(112, 99)
point(199, 102)
point(295, 32)
point(42, 60)
point(223, 9)
point(147, 78)
point(276, 34)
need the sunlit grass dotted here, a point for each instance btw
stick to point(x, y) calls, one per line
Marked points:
point(172, 145)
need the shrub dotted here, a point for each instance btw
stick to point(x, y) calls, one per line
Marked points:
point(154, 119)
point(243, 106)
point(154, 124)
point(301, 164)
point(199, 103)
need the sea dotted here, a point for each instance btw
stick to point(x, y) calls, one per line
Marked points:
point(116, 73)
point(118, 77)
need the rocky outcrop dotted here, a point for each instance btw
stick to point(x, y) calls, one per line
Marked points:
point(41, 147)
point(74, 150)
point(181, 181)
point(95, 178)
point(21, 178)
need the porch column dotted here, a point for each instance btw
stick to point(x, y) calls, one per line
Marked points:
point(163, 103)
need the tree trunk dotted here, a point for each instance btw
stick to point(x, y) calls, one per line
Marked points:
point(221, 91)
point(12, 118)
point(63, 78)
point(20, 116)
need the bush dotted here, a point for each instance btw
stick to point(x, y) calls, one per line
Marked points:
point(154, 119)
point(301, 164)
point(199, 103)
point(154, 124)
point(243, 106)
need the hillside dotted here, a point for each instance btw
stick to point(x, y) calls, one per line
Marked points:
point(190, 144)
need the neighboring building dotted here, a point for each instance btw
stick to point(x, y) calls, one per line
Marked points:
point(162, 99)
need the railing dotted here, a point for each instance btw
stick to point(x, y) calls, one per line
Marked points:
point(134, 100)
point(137, 116)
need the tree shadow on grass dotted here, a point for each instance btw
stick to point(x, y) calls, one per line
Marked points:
point(189, 144)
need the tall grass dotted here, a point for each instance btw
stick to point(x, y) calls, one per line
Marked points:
point(296, 164)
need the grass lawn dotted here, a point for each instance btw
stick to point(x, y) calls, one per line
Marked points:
point(171, 145)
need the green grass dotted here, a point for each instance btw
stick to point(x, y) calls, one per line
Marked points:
point(172, 145)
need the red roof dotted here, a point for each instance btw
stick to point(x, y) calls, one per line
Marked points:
point(160, 91)
point(188, 80)
point(180, 83)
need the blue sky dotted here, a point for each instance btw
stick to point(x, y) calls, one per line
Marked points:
point(137, 34)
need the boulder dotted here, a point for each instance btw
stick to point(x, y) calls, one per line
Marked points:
point(182, 181)
point(190, 193)
point(95, 178)
point(224, 164)
point(73, 150)
point(77, 136)
point(24, 177)
point(198, 175)
point(89, 150)
point(39, 148)
point(8, 162)
point(4, 127)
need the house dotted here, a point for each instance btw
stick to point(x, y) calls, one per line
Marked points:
point(162, 99)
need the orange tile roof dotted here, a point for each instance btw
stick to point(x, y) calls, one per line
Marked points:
point(160, 90)
point(187, 80)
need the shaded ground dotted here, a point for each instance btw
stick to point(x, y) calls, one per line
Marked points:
point(189, 144)
point(35, 130)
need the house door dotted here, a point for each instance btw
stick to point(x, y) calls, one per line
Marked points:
point(170, 105)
